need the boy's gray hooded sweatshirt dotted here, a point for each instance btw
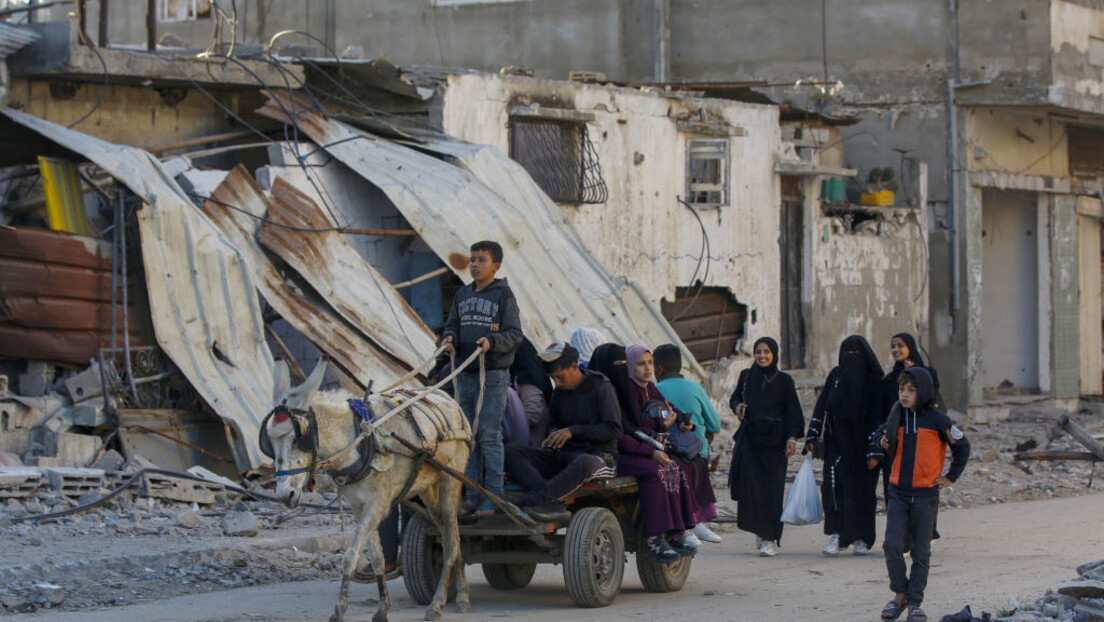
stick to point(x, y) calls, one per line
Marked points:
point(491, 312)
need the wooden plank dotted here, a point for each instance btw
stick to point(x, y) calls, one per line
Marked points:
point(1086, 151)
point(711, 326)
point(24, 277)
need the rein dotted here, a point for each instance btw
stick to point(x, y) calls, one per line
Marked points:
point(368, 428)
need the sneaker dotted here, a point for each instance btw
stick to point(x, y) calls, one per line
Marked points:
point(759, 543)
point(860, 548)
point(656, 549)
point(832, 548)
point(767, 549)
point(683, 546)
point(705, 534)
point(691, 539)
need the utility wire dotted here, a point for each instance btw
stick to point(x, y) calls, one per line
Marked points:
point(103, 93)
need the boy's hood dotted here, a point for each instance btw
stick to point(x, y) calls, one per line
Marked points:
point(925, 391)
point(495, 284)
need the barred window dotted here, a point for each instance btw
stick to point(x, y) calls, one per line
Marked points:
point(560, 157)
point(707, 166)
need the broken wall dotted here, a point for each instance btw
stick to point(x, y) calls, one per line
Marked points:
point(642, 232)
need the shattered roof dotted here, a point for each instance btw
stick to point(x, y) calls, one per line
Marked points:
point(205, 312)
point(558, 283)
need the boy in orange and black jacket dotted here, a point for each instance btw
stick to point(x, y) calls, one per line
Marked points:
point(916, 437)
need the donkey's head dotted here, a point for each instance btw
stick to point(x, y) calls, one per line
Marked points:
point(289, 433)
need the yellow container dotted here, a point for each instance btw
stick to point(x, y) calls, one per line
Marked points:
point(882, 198)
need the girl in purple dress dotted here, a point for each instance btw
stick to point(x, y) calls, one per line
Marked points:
point(666, 502)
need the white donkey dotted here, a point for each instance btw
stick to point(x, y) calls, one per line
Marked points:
point(309, 427)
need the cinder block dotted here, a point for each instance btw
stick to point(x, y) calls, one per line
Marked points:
point(85, 385)
point(74, 482)
point(19, 482)
point(76, 449)
point(89, 414)
point(38, 380)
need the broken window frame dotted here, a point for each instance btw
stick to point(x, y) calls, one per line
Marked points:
point(561, 158)
point(700, 154)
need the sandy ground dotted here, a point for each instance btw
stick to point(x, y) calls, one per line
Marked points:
point(987, 553)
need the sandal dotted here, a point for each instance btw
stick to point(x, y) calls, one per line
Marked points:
point(488, 509)
point(467, 507)
point(391, 570)
point(917, 614)
point(892, 610)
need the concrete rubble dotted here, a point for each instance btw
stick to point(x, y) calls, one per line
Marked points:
point(1081, 600)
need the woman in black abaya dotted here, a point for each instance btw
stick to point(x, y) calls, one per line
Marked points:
point(765, 401)
point(847, 411)
point(902, 347)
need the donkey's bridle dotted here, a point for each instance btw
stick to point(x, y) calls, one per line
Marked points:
point(305, 425)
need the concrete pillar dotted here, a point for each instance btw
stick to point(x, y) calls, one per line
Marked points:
point(1064, 296)
point(971, 240)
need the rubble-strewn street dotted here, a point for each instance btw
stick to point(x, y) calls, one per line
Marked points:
point(141, 549)
point(986, 555)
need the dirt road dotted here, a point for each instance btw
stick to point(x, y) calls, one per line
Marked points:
point(986, 554)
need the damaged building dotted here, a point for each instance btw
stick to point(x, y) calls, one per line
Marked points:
point(176, 220)
point(1000, 99)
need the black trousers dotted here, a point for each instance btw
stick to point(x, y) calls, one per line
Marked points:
point(910, 521)
point(549, 475)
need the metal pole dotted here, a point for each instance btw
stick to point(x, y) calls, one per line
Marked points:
point(1081, 435)
point(151, 25)
point(126, 328)
point(102, 35)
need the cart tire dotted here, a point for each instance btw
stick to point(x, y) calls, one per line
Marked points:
point(659, 577)
point(423, 558)
point(509, 576)
point(594, 557)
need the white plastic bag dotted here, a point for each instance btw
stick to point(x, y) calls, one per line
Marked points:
point(803, 501)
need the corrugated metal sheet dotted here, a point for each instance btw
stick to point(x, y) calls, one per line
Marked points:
point(12, 38)
point(558, 283)
point(55, 296)
point(202, 294)
point(335, 270)
point(314, 319)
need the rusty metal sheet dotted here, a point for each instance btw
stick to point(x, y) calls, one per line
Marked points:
point(558, 283)
point(202, 295)
point(338, 273)
point(51, 344)
point(314, 319)
point(54, 247)
point(21, 277)
point(60, 313)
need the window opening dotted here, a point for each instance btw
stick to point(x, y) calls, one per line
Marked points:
point(707, 163)
point(560, 157)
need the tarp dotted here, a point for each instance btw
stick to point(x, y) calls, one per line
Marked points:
point(558, 283)
point(202, 295)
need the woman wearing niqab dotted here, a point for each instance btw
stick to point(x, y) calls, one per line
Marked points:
point(847, 411)
point(765, 401)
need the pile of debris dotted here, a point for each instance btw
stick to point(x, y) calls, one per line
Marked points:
point(1080, 600)
point(163, 536)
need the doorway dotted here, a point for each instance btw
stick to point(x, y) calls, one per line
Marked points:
point(791, 241)
point(1010, 291)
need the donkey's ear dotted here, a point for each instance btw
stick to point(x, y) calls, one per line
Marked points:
point(304, 391)
point(282, 383)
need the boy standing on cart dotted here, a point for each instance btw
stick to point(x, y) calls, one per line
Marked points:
point(484, 317)
point(584, 424)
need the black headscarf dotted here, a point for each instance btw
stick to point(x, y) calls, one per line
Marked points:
point(914, 352)
point(858, 368)
point(762, 376)
point(526, 369)
point(608, 359)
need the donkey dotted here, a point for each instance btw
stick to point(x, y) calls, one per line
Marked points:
point(308, 427)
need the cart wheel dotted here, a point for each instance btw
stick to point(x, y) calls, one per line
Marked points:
point(594, 557)
point(422, 558)
point(659, 577)
point(509, 576)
